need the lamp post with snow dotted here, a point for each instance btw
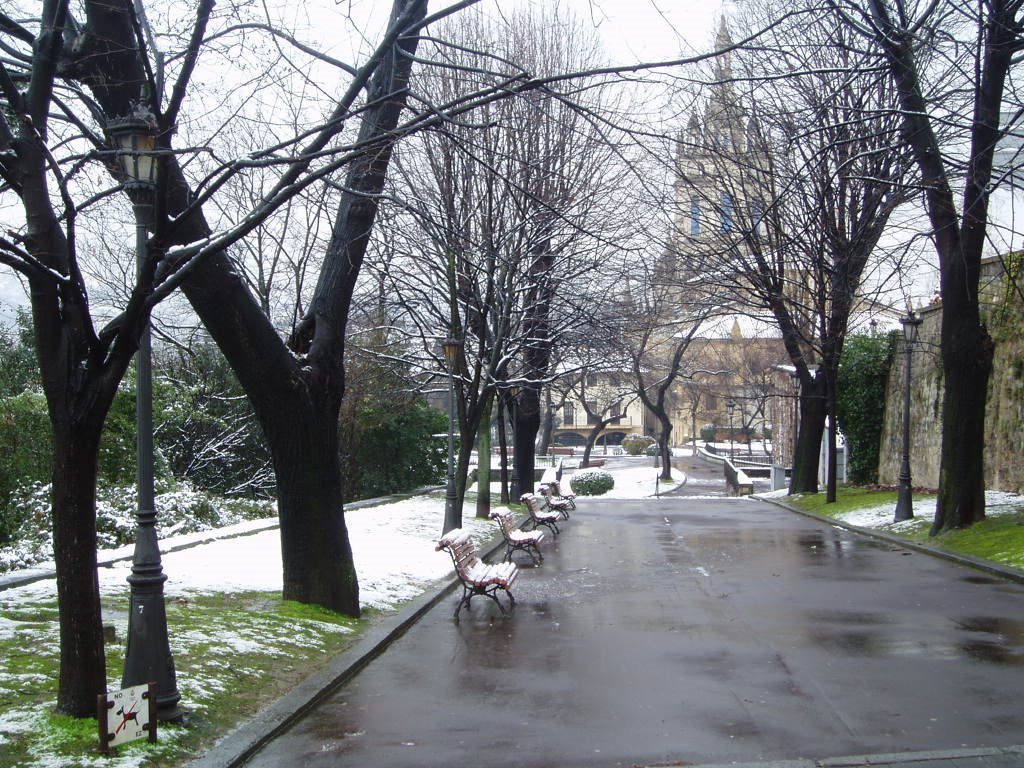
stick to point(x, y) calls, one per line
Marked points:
point(905, 498)
point(451, 518)
point(148, 654)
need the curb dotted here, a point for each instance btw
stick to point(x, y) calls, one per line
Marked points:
point(237, 746)
point(969, 561)
point(958, 758)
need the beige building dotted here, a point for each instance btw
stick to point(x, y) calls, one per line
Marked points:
point(607, 394)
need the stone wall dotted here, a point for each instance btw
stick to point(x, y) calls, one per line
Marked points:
point(1004, 416)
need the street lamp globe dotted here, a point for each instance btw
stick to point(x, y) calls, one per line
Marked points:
point(134, 138)
point(451, 349)
point(911, 325)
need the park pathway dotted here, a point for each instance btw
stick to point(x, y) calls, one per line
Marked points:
point(694, 630)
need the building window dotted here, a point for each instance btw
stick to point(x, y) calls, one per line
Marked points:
point(694, 216)
point(615, 410)
point(569, 415)
point(592, 408)
point(726, 213)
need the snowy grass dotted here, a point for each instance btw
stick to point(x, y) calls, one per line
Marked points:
point(999, 538)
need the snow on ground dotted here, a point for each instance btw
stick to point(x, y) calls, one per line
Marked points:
point(392, 543)
point(639, 482)
point(634, 482)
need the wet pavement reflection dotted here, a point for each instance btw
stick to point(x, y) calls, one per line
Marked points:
point(691, 630)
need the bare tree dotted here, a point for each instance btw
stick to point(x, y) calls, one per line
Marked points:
point(291, 386)
point(807, 171)
point(952, 63)
point(506, 204)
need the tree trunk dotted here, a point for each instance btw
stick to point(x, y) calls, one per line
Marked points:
point(588, 448)
point(315, 551)
point(503, 409)
point(808, 445)
point(483, 472)
point(967, 352)
point(524, 437)
point(547, 425)
point(664, 439)
point(83, 673)
point(831, 479)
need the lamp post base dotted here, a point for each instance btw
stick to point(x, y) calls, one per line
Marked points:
point(148, 656)
point(904, 502)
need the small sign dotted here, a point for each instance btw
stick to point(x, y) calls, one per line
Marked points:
point(127, 715)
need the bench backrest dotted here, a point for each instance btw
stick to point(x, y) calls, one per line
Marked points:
point(531, 502)
point(506, 520)
point(461, 548)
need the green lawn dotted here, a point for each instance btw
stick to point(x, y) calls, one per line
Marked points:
point(999, 538)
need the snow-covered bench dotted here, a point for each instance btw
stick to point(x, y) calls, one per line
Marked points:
point(555, 501)
point(515, 539)
point(477, 577)
point(539, 516)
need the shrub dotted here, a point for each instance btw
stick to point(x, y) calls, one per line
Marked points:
point(708, 433)
point(180, 510)
point(592, 482)
point(635, 445)
point(25, 450)
point(860, 403)
point(651, 450)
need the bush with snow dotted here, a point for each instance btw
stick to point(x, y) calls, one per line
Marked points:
point(180, 509)
point(635, 445)
point(592, 482)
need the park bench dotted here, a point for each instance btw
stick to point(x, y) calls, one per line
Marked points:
point(516, 539)
point(477, 577)
point(555, 501)
point(539, 516)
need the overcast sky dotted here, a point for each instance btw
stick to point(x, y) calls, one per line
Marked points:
point(651, 29)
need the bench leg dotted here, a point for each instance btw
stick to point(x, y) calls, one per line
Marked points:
point(491, 591)
point(550, 525)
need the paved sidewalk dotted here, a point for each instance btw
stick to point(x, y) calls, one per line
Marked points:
point(679, 632)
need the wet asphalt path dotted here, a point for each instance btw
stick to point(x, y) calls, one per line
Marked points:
point(692, 630)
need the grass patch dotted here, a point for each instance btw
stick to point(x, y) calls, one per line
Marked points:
point(848, 499)
point(233, 655)
point(998, 538)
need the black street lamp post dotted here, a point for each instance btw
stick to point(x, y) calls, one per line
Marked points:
point(148, 654)
point(730, 406)
point(451, 519)
point(905, 500)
